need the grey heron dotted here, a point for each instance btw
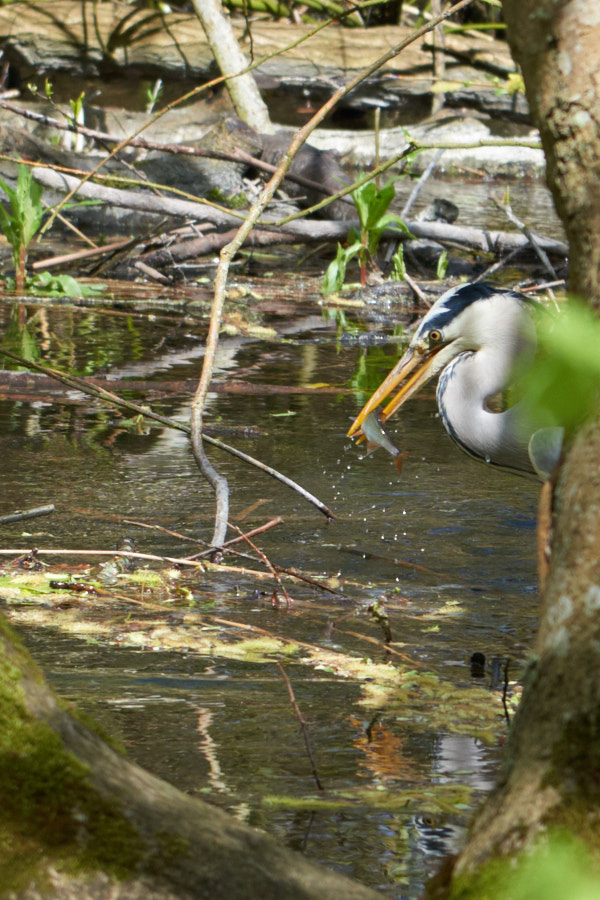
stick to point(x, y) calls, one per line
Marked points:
point(475, 337)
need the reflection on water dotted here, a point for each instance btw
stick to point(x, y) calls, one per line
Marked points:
point(224, 729)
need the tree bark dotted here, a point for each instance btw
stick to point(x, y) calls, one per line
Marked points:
point(557, 45)
point(551, 781)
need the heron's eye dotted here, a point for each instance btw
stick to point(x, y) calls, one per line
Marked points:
point(435, 336)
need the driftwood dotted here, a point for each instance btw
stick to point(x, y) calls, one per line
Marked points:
point(85, 823)
point(480, 239)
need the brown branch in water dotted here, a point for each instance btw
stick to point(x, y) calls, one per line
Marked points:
point(108, 396)
point(244, 626)
point(266, 561)
point(27, 514)
point(243, 537)
point(260, 529)
point(293, 573)
point(303, 726)
point(385, 647)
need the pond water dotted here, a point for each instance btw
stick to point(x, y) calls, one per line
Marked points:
point(449, 542)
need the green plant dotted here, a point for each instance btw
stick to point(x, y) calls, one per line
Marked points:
point(22, 223)
point(442, 265)
point(372, 205)
point(564, 382)
point(398, 265)
point(152, 94)
point(62, 286)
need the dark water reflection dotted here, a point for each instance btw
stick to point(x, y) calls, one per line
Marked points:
point(224, 730)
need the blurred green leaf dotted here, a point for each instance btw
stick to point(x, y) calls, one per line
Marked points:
point(562, 868)
point(564, 381)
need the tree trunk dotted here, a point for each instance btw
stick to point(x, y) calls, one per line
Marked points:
point(557, 44)
point(551, 782)
point(78, 821)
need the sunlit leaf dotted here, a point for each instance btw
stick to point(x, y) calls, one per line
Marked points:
point(563, 385)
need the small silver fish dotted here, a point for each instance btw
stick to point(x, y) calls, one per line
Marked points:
point(376, 437)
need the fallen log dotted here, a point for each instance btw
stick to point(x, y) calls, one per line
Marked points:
point(479, 239)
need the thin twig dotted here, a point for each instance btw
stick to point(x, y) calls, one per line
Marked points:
point(133, 554)
point(243, 536)
point(235, 155)
point(109, 397)
point(303, 726)
point(265, 560)
point(77, 255)
point(420, 184)
point(417, 290)
point(499, 264)
point(531, 237)
point(314, 648)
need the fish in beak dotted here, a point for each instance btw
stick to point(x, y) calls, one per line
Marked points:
point(415, 368)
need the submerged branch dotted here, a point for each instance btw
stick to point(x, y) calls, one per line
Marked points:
point(264, 558)
point(27, 514)
point(303, 725)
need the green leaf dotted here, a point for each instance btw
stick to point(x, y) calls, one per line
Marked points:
point(442, 265)
point(563, 385)
point(63, 286)
point(399, 266)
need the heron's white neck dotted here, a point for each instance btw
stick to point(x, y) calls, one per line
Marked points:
point(483, 369)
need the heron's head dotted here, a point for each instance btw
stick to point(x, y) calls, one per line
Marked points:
point(466, 318)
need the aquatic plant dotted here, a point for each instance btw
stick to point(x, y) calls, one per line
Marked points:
point(21, 223)
point(372, 204)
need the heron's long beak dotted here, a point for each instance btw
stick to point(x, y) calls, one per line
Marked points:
point(412, 360)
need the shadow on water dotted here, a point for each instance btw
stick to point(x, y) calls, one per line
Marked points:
point(449, 542)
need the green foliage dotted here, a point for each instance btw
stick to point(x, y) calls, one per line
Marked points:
point(561, 868)
point(62, 286)
point(565, 378)
point(77, 107)
point(442, 265)
point(18, 339)
point(335, 276)
point(398, 265)
point(20, 225)
point(152, 94)
point(513, 84)
point(22, 222)
point(372, 204)
point(370, 371)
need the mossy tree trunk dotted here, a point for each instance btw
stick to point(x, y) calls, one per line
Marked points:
point(551, 782)
point(79, 822)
